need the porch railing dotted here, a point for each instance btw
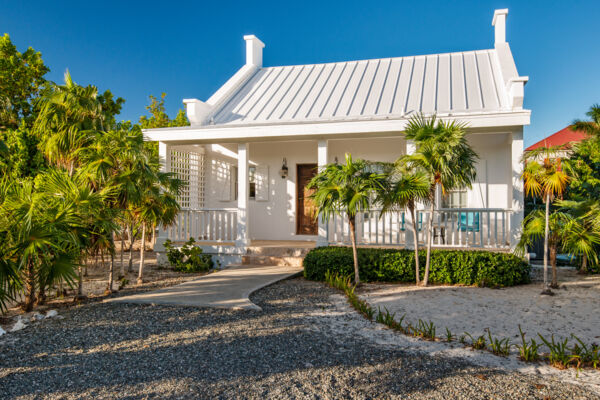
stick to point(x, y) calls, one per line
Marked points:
point(205, 225)
point(456, 227)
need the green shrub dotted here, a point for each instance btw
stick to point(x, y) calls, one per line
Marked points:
point(482, 268)
point(188, 258)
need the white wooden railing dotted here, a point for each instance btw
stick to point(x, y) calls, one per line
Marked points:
point(205, 225)
point(456, 227)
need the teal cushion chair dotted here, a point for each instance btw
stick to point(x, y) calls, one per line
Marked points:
point(469, 222)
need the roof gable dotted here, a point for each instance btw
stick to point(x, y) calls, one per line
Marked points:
point(563, 138)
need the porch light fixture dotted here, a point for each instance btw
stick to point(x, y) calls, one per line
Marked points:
point(284, 169)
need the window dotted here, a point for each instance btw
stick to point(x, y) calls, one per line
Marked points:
point(252, 182)
point(455, 199)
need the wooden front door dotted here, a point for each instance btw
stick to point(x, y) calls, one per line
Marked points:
point(306, 217)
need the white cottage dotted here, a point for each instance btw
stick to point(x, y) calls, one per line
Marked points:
point(254, 144)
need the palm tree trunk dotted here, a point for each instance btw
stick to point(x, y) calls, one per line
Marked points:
point(428, 256)
point(546, 234)
point(553, 252)
point(29, 286)
point(142, 252)
point(111, 268)
point(122, 265)
point(41, 297)
point(413, 214)
point(583, 269)
point(352, 222)
point(80, 282)
point(153, 235)
point(131, 241)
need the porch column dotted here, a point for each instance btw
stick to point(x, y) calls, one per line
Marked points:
point(411, 147)
point(322, 157)
point(165, 166)
point(517, 200)
point(242, 239)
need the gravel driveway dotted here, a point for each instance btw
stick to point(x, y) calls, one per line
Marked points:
point(292, 349)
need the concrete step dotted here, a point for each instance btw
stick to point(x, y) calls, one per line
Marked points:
point(289, 261)
point(275, 251)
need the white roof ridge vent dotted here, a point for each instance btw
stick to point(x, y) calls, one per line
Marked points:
point(499, 23)
point(254, 50)
point(196, 111)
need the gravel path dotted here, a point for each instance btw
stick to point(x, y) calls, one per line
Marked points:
point(294, 348)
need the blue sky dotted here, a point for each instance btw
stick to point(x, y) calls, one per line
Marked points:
point(188, 49)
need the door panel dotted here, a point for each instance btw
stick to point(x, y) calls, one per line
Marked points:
point(306, 217)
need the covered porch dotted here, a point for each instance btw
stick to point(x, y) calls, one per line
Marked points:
point(274, 209)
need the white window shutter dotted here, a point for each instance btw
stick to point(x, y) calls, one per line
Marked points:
point(226, 182)
point(262, 183)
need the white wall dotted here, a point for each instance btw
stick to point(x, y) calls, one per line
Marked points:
point(492, 186)
point(274, 218)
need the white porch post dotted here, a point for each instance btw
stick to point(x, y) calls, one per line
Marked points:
point(242, 239)
point(411, 147)
point(517, 203)
point(322, 156)
point(165, 166)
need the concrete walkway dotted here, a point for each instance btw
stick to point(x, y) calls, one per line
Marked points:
point(228, 288)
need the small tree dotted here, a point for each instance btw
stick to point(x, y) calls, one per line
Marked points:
point(346, 190)
point(402, 190)
point(545, 177)
point(443, 154)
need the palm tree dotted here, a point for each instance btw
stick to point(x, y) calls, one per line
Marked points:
point(44, 230)
point(443, 154)
point(69, 117)
point(544, 177)
point(346, 190)
point(590, 127)
point(581, 234)
point(157, 206)
point(403, 189)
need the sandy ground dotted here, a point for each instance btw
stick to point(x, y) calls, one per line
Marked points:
point(574, 309)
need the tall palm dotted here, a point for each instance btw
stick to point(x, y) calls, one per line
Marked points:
point(444, 155)
point(346, 190)
point(158, 205)
point(545, 177)
point(403, 189)
point(591, 127)
point(68, 118)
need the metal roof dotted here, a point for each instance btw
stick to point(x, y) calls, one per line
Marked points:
point(452, 83)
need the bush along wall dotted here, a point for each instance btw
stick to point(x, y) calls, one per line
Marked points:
point(481, 268)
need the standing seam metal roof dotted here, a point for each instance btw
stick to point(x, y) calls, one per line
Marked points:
point(388, 87)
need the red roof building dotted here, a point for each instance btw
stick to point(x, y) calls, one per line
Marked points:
point(562, 138)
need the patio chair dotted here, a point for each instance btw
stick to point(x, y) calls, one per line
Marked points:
point(469, 222)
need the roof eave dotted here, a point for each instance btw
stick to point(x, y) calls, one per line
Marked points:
point(315, 129)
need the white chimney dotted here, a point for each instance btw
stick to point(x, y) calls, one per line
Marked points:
point(499, 22)
point(196, 111)
point(254, 50)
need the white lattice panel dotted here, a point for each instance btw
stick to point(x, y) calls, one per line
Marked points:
point(188, 166)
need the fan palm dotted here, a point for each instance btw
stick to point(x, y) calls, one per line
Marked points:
point(346, 190)
point(581, 235)
point(68, 119)
point(545, 177)
point(45, 230)
point(590, 127)
point(402, 190)
point(443, 154)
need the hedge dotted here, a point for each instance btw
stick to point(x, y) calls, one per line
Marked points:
point(481, 268)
